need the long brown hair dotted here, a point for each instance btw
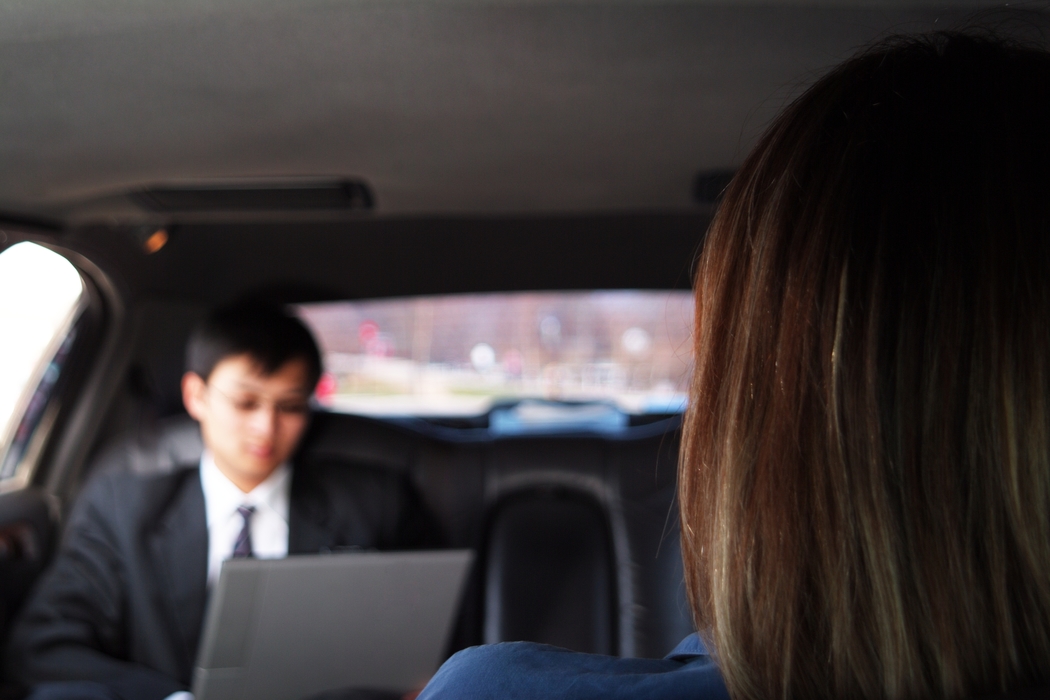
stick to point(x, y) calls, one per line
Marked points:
point(865, 471)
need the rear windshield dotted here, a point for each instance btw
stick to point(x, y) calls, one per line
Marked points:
point(462, 355)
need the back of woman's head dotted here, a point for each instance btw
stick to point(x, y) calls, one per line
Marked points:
point(865, 475)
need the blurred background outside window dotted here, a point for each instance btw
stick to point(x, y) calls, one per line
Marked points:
point(458, 355)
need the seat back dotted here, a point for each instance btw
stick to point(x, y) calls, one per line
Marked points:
point(574, 534)
point(549, 572)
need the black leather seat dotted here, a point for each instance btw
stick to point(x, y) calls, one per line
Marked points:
point(575, 534)
point(549, 572)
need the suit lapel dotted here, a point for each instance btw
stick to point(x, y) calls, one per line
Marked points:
point(309, 527)
point(179, 547)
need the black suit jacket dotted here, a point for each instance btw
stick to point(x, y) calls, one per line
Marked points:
point(123, 602)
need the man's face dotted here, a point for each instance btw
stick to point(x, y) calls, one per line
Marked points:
point(251, 422)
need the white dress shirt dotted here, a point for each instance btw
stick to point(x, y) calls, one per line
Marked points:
point(269, 523)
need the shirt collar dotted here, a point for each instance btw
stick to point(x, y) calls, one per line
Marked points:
point(689, 648)
point(222, 497)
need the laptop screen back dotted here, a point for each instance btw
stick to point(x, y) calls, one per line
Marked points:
point(283, 629)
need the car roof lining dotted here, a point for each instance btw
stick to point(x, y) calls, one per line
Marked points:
point(451, 108)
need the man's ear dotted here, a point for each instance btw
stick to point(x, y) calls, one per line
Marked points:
point(193, 388)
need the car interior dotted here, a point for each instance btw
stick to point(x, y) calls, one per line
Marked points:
point(183, 155)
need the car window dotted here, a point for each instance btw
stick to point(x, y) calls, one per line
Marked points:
point(459, 355)
point(40, 299)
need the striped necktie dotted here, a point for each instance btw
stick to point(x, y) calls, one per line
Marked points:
point(242, 547)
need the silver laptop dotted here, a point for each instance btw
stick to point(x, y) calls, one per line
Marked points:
point(284, 629)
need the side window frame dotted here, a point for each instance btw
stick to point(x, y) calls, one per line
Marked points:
point(52, 413)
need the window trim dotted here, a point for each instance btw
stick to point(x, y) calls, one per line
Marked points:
point(58, 445)
point(96, 366)
point(24, 468)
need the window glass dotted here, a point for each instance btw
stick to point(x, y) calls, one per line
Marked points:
point(459, 355)
point(40, 293)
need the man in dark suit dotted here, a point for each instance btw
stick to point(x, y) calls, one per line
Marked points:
point(119, 614)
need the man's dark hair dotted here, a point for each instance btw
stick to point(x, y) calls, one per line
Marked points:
point(267, 333)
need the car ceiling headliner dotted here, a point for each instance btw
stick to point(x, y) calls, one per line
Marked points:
point(445, 108)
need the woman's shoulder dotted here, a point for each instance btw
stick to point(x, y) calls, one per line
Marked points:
point(526, 670)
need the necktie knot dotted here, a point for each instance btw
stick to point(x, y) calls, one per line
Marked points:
point(242, 547)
